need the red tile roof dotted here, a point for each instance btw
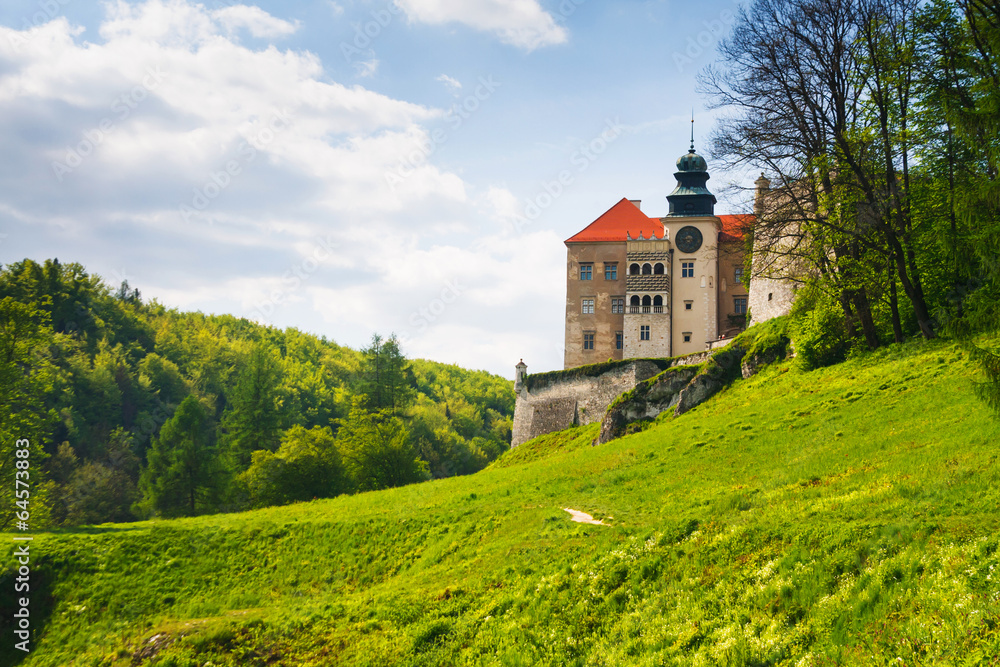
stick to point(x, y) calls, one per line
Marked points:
point(733, 226)
point(624, 217)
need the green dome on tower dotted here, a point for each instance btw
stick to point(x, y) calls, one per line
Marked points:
point(691, 161)
point(691, 197)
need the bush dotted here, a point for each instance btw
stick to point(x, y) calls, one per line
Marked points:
point(820, 336)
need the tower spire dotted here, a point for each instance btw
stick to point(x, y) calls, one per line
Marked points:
point(692, 129)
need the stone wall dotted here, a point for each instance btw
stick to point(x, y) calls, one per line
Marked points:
point(574, 397)
point(770, 297)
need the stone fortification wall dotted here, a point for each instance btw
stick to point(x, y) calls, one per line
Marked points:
point(770, 297)
point(555, 401)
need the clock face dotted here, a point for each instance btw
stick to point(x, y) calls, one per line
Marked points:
point(689, 239)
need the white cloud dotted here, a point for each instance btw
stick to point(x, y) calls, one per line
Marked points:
point(452, 84)
point(168, 107)
point(256, 20)
point(521, 23)
point(366, 68)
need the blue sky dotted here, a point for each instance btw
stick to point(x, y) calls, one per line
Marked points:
point(347, 167)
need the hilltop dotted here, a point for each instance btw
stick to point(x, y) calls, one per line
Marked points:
point(845, 515)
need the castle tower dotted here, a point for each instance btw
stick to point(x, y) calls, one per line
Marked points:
point(520, 373)
point(694, 229)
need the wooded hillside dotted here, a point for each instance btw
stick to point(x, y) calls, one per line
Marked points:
point(120, 395)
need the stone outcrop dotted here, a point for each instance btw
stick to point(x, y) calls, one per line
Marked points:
point(679, 388)
point(716, 373)
point(646, 401)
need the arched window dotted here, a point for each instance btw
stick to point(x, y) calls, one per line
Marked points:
point(647, 270)
point(658, 269)
point(646, 301)
point(657, 304)
point(633, 304)
point(633, 269)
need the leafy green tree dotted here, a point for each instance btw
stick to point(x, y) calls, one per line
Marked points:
point(960, 79)
point(377, 450)
point(104, 490)
point(252, 422)
point(387, 380)
point(26, 377)
point(183, 476)
point(306, 466)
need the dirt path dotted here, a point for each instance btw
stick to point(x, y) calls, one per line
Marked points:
point(583, 517)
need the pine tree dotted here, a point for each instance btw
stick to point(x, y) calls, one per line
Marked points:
point(252, 422)
point(387, 378)
point(183, 477)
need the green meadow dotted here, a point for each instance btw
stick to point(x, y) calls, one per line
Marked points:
point(842, 516)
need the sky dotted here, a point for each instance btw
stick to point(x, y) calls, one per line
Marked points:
point(348, 167)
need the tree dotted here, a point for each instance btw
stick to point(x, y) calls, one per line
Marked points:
point(183, 476)
point(387, 381)
point(306, 466)
point(252, 421)
point(103, 490)
point(820, 94)
point(960, 52)
point(26, 377)
point(377, 451)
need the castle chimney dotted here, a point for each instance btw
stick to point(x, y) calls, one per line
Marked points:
point(636, 203)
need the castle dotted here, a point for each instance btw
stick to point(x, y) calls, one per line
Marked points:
point(641, 287)
point(643, 291)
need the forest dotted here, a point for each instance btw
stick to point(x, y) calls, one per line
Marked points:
point(134, 410)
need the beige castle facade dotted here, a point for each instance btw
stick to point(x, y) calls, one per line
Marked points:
point(643, 287)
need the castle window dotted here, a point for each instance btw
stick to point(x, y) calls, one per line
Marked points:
point(646, 303)
point(619, 340)
point(658, 269)
point(770, 295)
point(738, 274)
point(688, 305)
point(687, 336)
point(618, 305)
point(644, 332)
point(633, 269)
point(633, 304)
point(687, 269)
point(586, 272)
point(588, 306)
point(611, 272)
point(740, 305)
point(588, 341)
point(657, 304)
point(647, 269)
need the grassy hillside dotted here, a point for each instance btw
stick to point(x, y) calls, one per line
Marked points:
point(843, 516)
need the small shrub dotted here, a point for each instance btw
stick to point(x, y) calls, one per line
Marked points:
point(820, 333)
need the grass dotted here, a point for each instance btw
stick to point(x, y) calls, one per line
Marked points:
point(846, 515)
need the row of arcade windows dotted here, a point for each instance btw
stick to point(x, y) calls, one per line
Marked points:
point(646, 269)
